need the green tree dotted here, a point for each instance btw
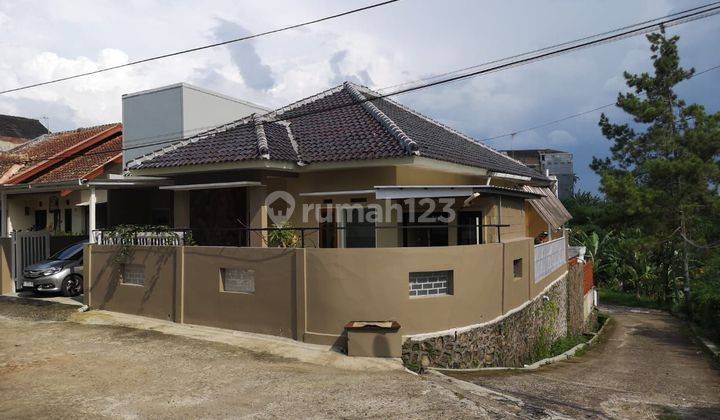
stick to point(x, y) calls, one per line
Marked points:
point(664, 168)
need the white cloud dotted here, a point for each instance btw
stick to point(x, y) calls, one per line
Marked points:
point(396, 43)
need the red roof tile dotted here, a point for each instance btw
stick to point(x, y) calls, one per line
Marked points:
point(61, 156)
point(82, 165)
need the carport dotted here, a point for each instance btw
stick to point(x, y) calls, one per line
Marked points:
point(41, 219)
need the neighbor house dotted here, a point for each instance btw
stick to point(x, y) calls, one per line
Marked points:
point(17, 130)
point(553, 162)
point(44, 181)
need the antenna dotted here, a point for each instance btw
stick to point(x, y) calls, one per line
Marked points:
point(46, 123)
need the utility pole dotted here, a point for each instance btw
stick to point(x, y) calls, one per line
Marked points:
point(686, 263)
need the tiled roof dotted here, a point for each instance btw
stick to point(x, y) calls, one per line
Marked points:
point(230, 143)
point(20, 127)
point(549, 207)
point(81, 165)
point(51, 152)
point(334, 126)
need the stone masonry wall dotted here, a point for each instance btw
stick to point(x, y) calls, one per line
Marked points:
point(508, 342)
point(575, 317)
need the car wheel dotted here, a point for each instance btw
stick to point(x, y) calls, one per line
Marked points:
point(72, 285)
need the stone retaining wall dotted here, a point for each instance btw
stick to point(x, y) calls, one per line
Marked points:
point(510, 341)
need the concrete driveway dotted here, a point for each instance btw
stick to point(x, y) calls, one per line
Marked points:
point(51, 367)
point(647, 366)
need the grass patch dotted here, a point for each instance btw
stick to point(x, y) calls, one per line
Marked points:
point(613, 297)
point(566, 343)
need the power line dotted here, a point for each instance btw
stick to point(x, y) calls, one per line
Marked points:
point(707, 12)
point(203, 47)
point(579, 114)
point(435, 76)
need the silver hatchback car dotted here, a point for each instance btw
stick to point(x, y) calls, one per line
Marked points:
point(62, 272)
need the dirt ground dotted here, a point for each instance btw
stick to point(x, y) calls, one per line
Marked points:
point(59, 369)
point(646, 366)
point(50, 367)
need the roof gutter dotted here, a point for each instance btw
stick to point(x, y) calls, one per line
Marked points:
point(504, 175)
point(82, 183)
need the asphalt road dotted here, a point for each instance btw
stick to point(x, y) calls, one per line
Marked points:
point(646, 366)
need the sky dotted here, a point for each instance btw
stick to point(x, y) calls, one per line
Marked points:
point(401, 42)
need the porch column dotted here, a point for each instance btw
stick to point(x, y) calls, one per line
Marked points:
point(181, 209)
point(257, 215)
point(91, 217)
point(5, 216)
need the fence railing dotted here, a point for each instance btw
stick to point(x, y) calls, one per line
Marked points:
point(173, 238)
point(549, 256)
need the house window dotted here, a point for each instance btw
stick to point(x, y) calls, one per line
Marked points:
point(133, 274)
point(431, 283)
point(517, 268)
point(40, 219)
point(469, 228)
point(359, 227)
point(426, 233)
point(328, 228)
point(237, 280)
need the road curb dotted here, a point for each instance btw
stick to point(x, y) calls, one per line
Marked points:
point(550, 360)
point(706, 343)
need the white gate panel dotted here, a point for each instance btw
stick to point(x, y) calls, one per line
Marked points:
point(549, 256)
point(28, 248)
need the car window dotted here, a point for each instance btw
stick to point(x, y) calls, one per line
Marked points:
point(71, 252)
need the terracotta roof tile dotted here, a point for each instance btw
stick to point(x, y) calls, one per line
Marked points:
point(80, 166)
point(41, 149)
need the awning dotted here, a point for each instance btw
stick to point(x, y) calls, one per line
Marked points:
point(549, 207)
point(81, 184)
point(438, 191)
point(215, 185)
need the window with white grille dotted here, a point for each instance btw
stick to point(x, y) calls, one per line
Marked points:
point(431, 283)
point(237, 280)
point(133, 274)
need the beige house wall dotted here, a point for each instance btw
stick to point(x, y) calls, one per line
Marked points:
point(534, 224)
point(345, 285)
point(6, 283)
point(536, 288)
point(361, 179)
point(104, 287)
point(269, 310)
point(310, 294)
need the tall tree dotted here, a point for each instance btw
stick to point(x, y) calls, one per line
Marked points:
point(664, 169)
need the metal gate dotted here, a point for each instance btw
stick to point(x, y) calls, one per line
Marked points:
point(28, 248)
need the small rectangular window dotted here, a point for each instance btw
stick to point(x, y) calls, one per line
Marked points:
point(517, 268)
point(133, 274)
point(237, 280)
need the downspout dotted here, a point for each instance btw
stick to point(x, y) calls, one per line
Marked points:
point(499, 216)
